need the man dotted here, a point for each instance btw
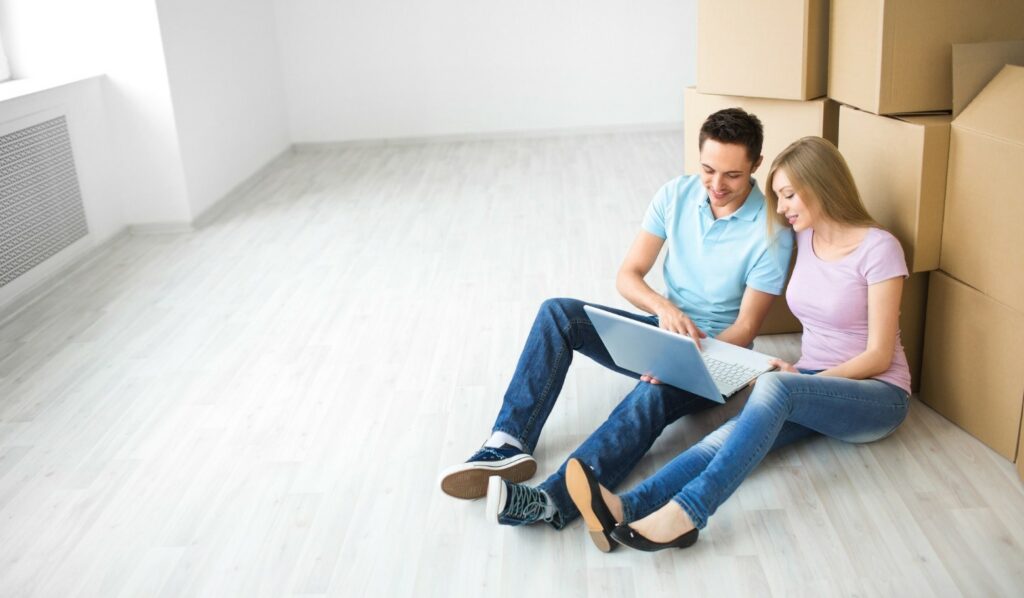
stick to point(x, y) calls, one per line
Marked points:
point(721, 272)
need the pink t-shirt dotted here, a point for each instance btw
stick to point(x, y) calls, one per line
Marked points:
point(831, 301)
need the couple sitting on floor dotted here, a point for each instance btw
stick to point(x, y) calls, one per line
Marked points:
point(726, 261)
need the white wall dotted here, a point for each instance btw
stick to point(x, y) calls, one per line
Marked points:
point(365, 69)
point(122, 39)
point(227, 90)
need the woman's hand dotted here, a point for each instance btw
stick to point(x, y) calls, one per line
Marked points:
point(649, 379)
point(783, 366)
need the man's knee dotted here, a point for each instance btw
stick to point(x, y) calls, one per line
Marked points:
point(560, 308)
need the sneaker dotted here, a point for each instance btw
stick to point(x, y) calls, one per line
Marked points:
point(469, 479)
point(514, 504)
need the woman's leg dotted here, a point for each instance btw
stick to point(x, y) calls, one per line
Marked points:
point(654, 492)
point(850, 410)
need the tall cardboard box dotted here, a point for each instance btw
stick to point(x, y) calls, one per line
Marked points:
point(1020, 450)
point(899, 165)
point(895, 56)
point(784, 122)
point(779, 319)
point(913, 310)
point(972, 370)
point(982, 228)
point(763, 48)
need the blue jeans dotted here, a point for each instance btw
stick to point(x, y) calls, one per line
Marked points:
point(560, 329)
point(781, 408)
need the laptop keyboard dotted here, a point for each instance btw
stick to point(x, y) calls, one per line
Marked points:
point(729, 375)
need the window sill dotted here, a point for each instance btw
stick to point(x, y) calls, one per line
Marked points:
point(19, 88)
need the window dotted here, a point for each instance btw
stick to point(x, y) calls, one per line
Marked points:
point(5, 70)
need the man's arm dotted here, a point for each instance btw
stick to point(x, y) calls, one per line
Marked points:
point(753, 309)
point(631, 284)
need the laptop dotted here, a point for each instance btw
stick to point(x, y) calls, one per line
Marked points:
point(717, 372)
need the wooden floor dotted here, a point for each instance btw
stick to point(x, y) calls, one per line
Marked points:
point(261, 407)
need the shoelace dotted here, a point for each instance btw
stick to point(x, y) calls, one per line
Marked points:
point(525, 503)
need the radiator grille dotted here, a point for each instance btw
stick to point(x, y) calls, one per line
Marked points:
point(40, 203)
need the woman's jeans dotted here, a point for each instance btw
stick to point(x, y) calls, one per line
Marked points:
point(560, 329)
point(781, 407)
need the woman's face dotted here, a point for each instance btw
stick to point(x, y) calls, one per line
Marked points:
point(791, 206)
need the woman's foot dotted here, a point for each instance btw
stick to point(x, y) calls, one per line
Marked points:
point(664, 525)
point(601, 510)
point(668, 527)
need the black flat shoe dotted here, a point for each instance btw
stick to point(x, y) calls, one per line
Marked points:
point(585, 492)
point(634, 539)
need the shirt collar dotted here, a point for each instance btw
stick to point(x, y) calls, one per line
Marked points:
point(748, 211)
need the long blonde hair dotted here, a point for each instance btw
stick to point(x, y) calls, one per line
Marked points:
point(820, 176)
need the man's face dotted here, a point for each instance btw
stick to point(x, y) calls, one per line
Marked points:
point(726, 172)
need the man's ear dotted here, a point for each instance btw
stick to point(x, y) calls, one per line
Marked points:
point(753, 168)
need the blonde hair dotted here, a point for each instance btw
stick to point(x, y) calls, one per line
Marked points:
point(819, 174)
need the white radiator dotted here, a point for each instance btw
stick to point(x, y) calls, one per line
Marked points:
point(41, 209)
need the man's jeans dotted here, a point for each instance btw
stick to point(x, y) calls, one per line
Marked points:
point(560, 328)
point(782, 408)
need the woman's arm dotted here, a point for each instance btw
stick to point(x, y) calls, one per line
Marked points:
point(883, 322)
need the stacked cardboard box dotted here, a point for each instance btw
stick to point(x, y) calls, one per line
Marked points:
point(891, 65)
point(975, 325)
point(894, 56)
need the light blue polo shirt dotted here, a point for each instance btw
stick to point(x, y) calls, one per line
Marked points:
point(710, 263)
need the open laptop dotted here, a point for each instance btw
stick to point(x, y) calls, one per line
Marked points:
point(717, 372)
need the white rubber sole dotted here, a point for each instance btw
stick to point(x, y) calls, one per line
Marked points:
point(496, 498)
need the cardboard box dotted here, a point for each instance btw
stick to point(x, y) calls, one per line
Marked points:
point(763, 48)
point(895, 56)
point(972, 373)
point(913, 309)
point(784, 122)
point(779, 319)
point(900, 169)
point(974, 65)
point(981, 232)
point(1020, 450)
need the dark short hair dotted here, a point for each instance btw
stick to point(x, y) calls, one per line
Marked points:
point(734, 125)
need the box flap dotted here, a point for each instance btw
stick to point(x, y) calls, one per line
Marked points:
point(996, 110)
point(974, 65)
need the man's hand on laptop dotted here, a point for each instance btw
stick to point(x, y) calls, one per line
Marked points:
point(671, 318)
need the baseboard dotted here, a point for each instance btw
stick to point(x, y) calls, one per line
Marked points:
point(315, 146)
point(161, 228)
point(240, 190)
point(53, 278)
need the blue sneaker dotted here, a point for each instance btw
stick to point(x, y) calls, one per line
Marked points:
point(469, 479)
point(515, 504)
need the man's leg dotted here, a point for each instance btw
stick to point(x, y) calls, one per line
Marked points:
point(560, 329)
point(615, 448)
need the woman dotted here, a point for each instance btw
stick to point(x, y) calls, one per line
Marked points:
point(851, 382)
